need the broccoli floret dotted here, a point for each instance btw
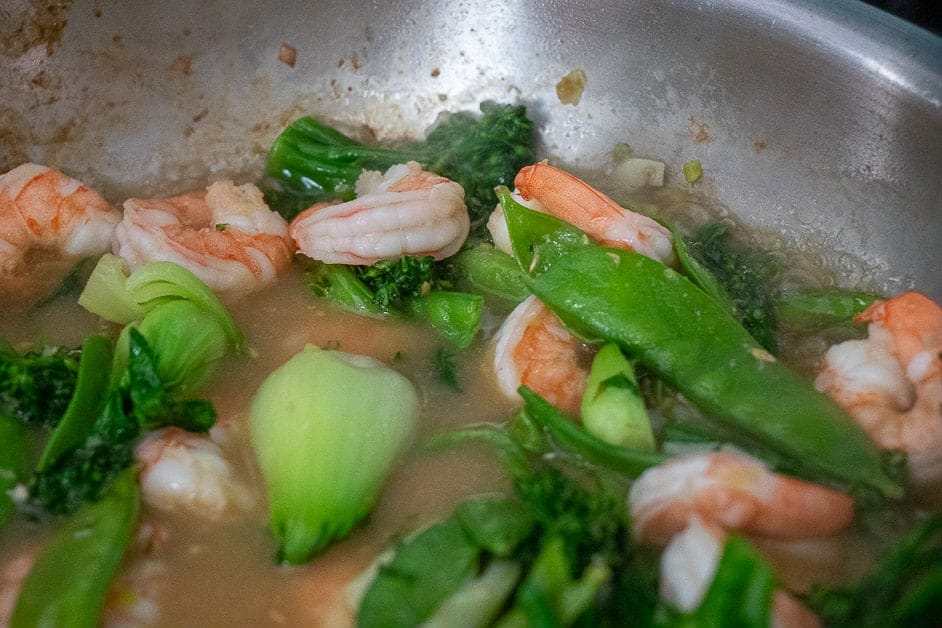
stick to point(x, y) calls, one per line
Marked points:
point(411, 287)
point(35, 387)
point(393, 281)
point(315, 162)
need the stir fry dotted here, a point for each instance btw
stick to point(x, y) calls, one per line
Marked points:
point(660, 455)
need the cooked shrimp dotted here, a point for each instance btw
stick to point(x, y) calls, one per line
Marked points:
point(226, 236)
point(406, 211)
point(891, 382)
point(185, 471)
point(734, 492)
point(689, 564)
point(533, 348)
point(568, 198)
point(41, 208)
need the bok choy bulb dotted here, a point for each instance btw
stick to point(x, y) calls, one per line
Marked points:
point(326, 428)
point(181, 319)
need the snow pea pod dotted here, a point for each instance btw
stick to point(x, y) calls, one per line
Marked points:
point(68, 583)
point(91, 388)
point(681, 334)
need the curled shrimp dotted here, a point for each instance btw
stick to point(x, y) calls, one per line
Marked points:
point(533, 348)
point(891, 382)
point(551, 190)
point(185, 471)
point(43, 209)
point(734, 492)
point(689, 564)
point(406, 211)
point(227, 236)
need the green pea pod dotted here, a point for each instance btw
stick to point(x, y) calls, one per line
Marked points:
point(14, 462)
point(68, 583)
point(678, 332)
point(91, 387)
point(492, 272)
point(818, 309)
point(454, 315)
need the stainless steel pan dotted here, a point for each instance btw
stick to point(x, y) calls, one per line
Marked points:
point(820, 119)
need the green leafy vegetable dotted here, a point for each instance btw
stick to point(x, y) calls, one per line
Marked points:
point(425, 570)
point(36, 387)
point(680, 335)
point(316, 162)
point(326, 428)
point(746, 275)
point(68, 584)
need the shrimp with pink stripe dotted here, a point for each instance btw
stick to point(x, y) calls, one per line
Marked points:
point(227, 236)
point(533, 348)
point(891, 382)
point(542, 187)
point(735, 492)
point(406, 211)
point(44, 211)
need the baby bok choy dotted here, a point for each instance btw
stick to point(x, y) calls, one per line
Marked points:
point(327, 427)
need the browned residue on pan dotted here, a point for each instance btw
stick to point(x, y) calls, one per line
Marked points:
point(33, 23)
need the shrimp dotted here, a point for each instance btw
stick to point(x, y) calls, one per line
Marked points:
point(406, 211)
point(533, 348)
point(41, 208)
point(556, 192)
point(891, 382)
point(185, 471)
point(227, 236)
point(735, 492)
point(689, 564)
